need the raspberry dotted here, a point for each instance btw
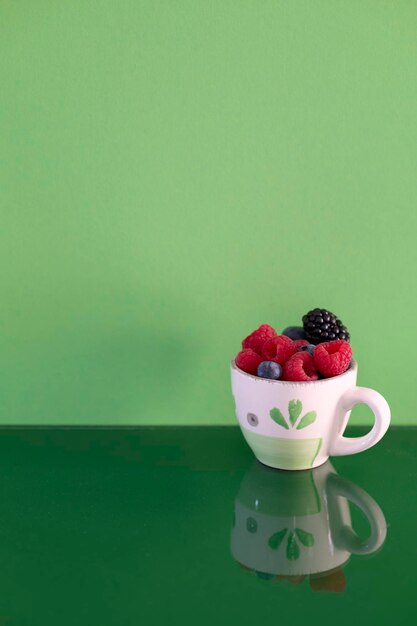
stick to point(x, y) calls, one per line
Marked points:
point(256, 340)
point(300, 343)
point(300, 367)
point(279, 349)
point(333, 357)
point(248, 361)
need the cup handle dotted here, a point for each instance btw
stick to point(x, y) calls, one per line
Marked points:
point(378, 405)
point(347, 539)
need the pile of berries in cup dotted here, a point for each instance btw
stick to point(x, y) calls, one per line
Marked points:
point(319, 349)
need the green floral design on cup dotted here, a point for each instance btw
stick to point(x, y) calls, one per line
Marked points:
point(295, 408)
point(293, 549)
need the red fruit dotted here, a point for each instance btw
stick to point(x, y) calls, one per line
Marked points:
point(279, 349)
point(256, 340)
point(333, 357)
point(300, 367)
point(248, 361)
point(300, 343)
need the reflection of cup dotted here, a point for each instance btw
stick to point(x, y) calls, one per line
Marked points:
point(298, 425)
point(299, 523)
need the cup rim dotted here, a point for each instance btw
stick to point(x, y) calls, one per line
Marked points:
point(353, 367)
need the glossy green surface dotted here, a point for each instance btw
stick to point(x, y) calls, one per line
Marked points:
point(128, 527)
point(174, 173)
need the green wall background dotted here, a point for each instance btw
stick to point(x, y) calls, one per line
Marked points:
point(175, 173)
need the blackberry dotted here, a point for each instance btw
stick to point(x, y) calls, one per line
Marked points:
point(321, 325)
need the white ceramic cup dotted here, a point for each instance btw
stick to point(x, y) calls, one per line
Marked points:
point(298, 425)
point(299, 523)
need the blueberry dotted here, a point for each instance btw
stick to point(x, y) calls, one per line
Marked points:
point(308, 348)
point(294, 332)
point(269, 369)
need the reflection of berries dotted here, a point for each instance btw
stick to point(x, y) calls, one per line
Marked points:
point(329, 581)
point(300, 367)
point(244, 567)
point(321, 325)
point(256, 340)
point(294, 580)
point(264, 575)
point(332, 358)
point(278, 349)
point(248, 361)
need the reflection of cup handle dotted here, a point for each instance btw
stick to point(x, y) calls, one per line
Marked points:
point(347, 538)
point(362, 395)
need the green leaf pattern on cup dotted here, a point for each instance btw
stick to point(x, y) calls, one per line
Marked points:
point(275, 540)
point(278, 417)
point(307, 420)
point(292, 549)
point(295, 408)
point(305, 537)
